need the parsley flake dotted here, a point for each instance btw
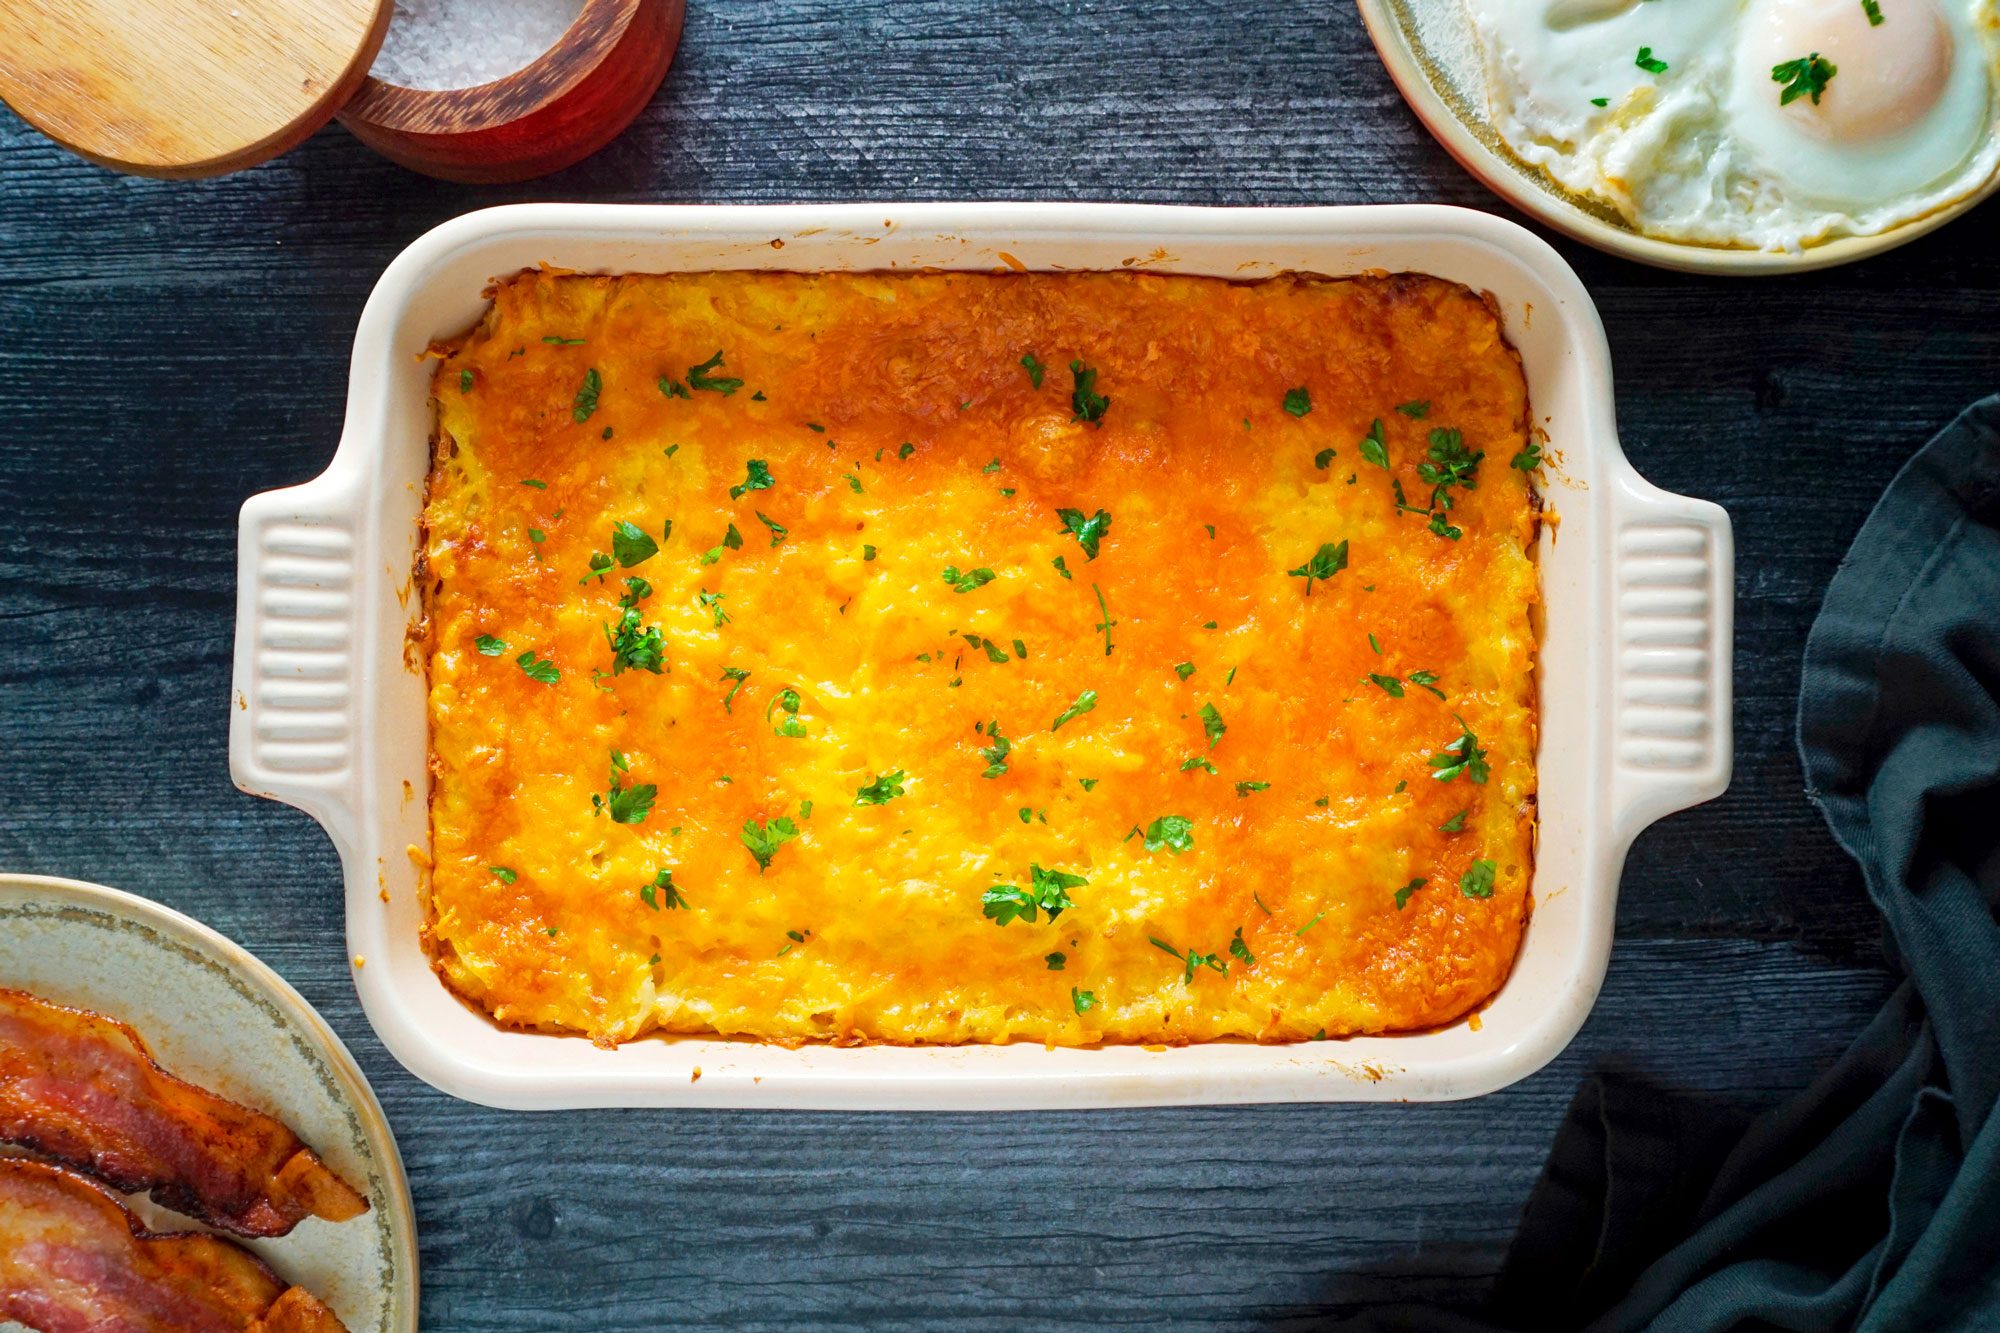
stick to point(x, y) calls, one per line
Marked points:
point(1456, 824)
point(504, 874)
point(1298, 402)
point(489, 646)
point(882, 789)
point(1034, 368)
point(1329, 560)
point(1212, 724)
point(1055, 961)
point(586, 396)
point(1648, 62)
point(739, 675)
point(778, 530)
point(1191, 960)
point(764, 839)
point(1085, 402)
point(625, 805)
point(662, 892)
point(1047, 891)
point(699, 378)
point(969, 580)
point(1239, 950)
point(1375, 447)
point(995, 754)
point(543, 671)
point(1082, 1001)
point(1061, 568)
point(1416, 409)
point(1245, 788)
point(1184, 670)
point(1477, 881)
point(1174, 833)
point(1873, 11)
point(758, 478)
point(630, 544)
point(1461, 756)
point(1089, 532)
point(1085, 702)
point(1529, 458)
point(1805, 77)
point(1403, 894)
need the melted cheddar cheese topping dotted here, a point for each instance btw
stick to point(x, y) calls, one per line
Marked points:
point(953, 657)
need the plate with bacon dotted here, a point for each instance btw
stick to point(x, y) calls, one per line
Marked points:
point(184, 1144)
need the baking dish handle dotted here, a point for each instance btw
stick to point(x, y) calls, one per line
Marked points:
point(293, 706)
point(1673, 603)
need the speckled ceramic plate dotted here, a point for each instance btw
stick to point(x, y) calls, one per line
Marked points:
point(1434, 57)
point(215, 1016)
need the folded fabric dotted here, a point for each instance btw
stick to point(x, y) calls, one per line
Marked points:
point(1872, 1200)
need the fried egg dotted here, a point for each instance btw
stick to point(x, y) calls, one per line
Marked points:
point(1768, 124)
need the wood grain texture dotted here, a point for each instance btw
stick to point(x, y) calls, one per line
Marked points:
point(560, 109)
point(172, 349)
point(182, 88)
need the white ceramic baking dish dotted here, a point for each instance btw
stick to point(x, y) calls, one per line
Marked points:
point(328, 709)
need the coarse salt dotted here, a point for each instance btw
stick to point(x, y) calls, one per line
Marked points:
point(439, 44)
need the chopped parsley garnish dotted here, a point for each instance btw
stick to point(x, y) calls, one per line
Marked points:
point(778, 530)
point(1477, 881)
point(853, 482)
point(1034, 368)
point(489, 646)
point(1088, 784)
point(765, 839)
point(1449, 464)
point(882, 790)
point(867, 551)
point(1329, 560)
point(1088, 531)
point(1426, 681)
point(625, 805)
point(600, 565)
point(1047, 891)
point(1239, 950)
point(1805, 77)
point(1310, 924)
point(1061, 568)
point(1649, 63)
point(543, 671)
point(1174, 833)
point(1529, 458)
point(1374, 447)
point(1084, 400)
point(1191, 960)
point(1873, 11)
point(1403, 894)
point(969, 580)
point(996, 753)
point(1055, 961)
point(1084, 703)
point(789, 725)
point(1298, 402)
point(662, 892)
point(1212, 724)
point(711, 602)
point(1600, 101)
point(994, 652)
point(630, 544)
point(1415, 410)
point(1027, 814)
point(1388, 684)
point(1184, 670)
point(1376, 644)
point(672, 387)
point(1456, 824)
point(465, 381)
point(758, 478)
point(1082, 1001)
point(739, 675)
point(816, 429)
point(561, 341)
point(504, 874)
point(699, 378)
point(534, 482)
point(906, 450)
point(634, 644)
point(1322, 459)
point(991, 467)
point(1461, 756)
point(1245, 788)
point(1197, 761)
point(1106, 623)
point(586, 396)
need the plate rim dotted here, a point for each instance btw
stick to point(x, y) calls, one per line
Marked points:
point(1392, 44)
point(255, 972)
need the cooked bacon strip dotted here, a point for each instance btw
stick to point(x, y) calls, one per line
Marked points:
point(83, 1089)
point(72, 1259)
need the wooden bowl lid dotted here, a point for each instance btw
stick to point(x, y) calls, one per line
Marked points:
point(184, 88)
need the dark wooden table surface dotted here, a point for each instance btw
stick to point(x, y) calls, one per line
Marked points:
point(168, 349)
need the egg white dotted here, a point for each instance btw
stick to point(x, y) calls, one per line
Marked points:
point(1702, 151)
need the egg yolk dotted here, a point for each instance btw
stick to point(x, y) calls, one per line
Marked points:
point(1885, 77)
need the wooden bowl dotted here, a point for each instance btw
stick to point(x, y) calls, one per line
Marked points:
point(559, 109)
